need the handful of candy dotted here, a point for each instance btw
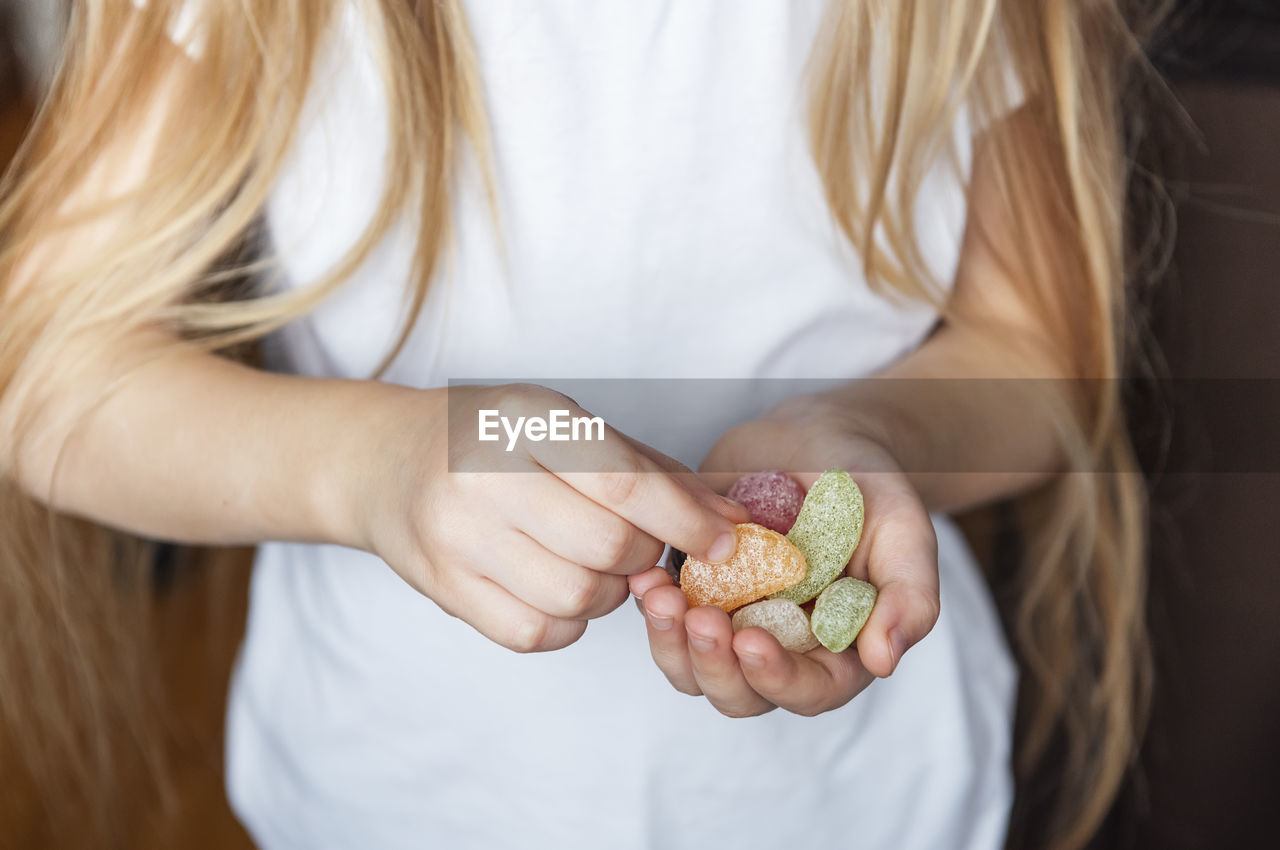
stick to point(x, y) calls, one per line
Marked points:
point(822, 529)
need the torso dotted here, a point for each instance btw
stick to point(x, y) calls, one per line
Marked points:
point(661, 219)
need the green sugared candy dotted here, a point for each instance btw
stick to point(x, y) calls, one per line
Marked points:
point(841, 611)
point(826, 531)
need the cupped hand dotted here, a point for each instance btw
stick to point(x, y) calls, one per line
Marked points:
point(749, 673)
point(742, 674)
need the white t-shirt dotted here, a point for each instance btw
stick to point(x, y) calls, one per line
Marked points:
point(661, 219)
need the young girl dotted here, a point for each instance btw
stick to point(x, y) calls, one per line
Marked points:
point(430, 191)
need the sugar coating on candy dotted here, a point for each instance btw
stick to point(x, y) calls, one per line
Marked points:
point(841, 611)
point(826, 531)
point(783, 619)
point(772, 498)
point(765, 561)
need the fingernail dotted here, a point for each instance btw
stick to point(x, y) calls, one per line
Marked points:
point(659, 623)
point(723, 549)
point(700, 643)
point(750, 659)
point(897, 646)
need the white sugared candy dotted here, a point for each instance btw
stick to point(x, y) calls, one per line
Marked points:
point(783, 619)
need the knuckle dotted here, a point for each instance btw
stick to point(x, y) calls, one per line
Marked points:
point(614, 544)
point(838, 697)
point(922, 605)
point(466, 456)
point(686, 688)
point(530, 634)
point(622, 484)
point(525, 399)
point(451, 544)
point(669, 662)
point(932, 606)
point(582, 594)
point(467, 488)
point(692, 527)
point(562, 637)
point(666, 657)
point(770, 684)
point(615, 591)
point(438, 585)
point(828, 705)
point(740, 711)
point(432, 581)
point(516, 398)
point(651, 550)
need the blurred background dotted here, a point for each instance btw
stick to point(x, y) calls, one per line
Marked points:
point(1209, 773)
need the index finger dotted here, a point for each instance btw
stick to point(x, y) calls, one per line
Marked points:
point(662, 502)
point(696, 483)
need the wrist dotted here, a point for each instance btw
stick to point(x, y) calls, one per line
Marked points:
point(840, 426)
point(377, 436)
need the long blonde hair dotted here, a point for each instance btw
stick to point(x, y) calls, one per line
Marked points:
point(1078, 624)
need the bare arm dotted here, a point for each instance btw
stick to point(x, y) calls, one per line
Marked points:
point(188, 446)
point(971, 415)
point(196, 448)
point(191, 447)
point(901, 442)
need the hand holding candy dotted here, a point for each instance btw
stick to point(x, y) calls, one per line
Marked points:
point(524, 548)
point(759, 668)
point(748, 672)
point(745, 673)
point(898, 550)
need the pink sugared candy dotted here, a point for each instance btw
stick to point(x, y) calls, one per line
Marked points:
point(772, 498)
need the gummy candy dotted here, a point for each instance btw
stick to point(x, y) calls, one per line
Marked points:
point(827, 531)
point(781, 618)
point(772, 498)
point(765, 561)
point(841, 611)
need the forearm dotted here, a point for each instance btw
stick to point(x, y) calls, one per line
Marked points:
point(993, 403)
point(195, 448)
point(971, 419)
